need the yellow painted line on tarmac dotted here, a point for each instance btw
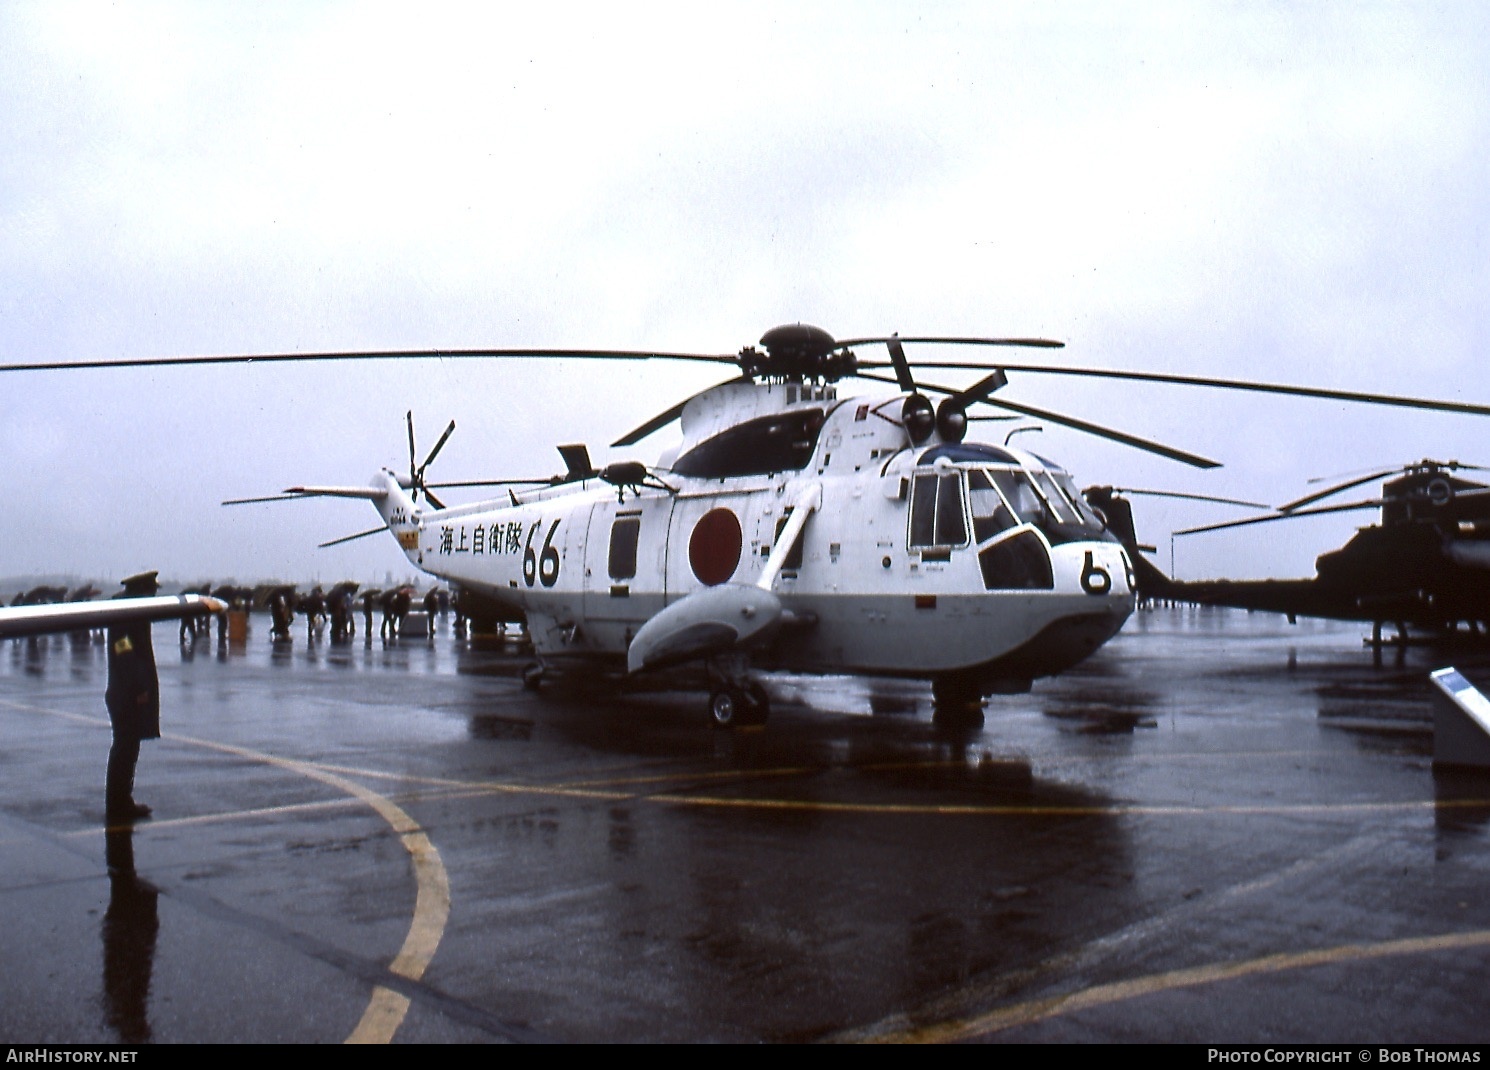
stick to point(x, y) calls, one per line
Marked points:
point(286, 810)
point(1104, 995)
point(600, 794)
point(386, 1009)
point(466, 788)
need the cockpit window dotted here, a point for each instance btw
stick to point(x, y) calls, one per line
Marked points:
point(1021, 495)
point(1079, 500)
point(1063, 511)
point(991, 514)
point(1048, 500)
point(781, 442)
point(936, 510)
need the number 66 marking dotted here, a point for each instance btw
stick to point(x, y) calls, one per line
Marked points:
point(542, 566)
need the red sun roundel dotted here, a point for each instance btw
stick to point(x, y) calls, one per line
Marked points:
point(714, 547)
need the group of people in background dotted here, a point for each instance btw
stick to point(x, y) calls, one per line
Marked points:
point(132, 697)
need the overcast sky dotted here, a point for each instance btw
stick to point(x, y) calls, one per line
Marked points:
point(1286, 192)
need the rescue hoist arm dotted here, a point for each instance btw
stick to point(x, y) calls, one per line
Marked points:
point(807, 503)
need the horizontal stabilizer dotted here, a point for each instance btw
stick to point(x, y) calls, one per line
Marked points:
point(372, 494)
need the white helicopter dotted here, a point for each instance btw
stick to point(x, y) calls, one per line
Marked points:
point(791, 529)
point(796, 530)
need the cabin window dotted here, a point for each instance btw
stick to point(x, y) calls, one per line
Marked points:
point(936, 511)
point(794, 555)
point(781, 442)
point(623, 536)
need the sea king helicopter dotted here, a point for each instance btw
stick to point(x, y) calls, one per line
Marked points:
point(1425, 564)
point(796, 530)
point(791, 529)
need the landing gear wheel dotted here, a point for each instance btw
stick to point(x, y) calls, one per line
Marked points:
point(956, 704)
point(957, 718)
point(725, 708)
point(736, 707)
point(532, 676)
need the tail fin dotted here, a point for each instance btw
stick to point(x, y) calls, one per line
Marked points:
point(395, 500)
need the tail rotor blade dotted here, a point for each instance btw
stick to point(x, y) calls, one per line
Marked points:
point(438, 447)
point(413, 475)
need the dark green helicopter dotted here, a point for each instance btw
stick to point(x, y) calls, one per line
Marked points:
point(1425, 564)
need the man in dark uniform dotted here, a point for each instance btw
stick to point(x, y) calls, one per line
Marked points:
point(133, 699)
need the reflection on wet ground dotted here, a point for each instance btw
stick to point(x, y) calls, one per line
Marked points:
point(1221, 827)
point(129, 927)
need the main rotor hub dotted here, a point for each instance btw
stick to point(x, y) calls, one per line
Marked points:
point(798, 351)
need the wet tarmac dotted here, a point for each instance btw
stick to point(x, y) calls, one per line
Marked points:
point(1221, 829)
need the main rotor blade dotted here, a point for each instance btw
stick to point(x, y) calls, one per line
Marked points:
point(1040, 343)
point(491, 483)
point(1372, 504)
point(902, 366)
point(1320, 495)
point(1198, 380)
point(267, 498)
point(577, 464)
point(662, 419)
point(656, 423)
point(359, 535)
point(388, 354)
point(980, 390)
point(1351, 475)
point(1423, 466)
point(1188, 497)
point(1149, 446)
point(432, 499)
point(1424, 463)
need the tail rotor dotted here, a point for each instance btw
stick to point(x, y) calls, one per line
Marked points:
point(417, 482)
